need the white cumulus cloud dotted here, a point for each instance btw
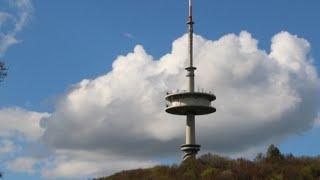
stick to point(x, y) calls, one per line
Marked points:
point(317, 122)
point(84, 164)
point(261, 98)
point(22, 164)
point(19, 122)
point(7, 146)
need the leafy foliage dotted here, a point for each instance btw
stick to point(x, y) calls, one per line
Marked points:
point(272, 165)
point(274, 154)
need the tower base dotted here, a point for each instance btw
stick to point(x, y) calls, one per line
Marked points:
point(190, 150)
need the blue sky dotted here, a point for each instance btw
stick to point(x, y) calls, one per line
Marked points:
point(67, 41)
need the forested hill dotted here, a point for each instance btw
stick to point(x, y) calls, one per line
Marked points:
point(271, 165)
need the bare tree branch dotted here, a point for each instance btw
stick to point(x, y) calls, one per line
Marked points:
point(3, 74)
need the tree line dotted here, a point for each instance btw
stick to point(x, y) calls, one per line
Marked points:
point(272, 165)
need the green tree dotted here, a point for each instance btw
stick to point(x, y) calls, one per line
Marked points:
point(274, 154)
point(260, 157)
point(209, 173)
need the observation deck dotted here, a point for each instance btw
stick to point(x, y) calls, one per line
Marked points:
point(184, 103)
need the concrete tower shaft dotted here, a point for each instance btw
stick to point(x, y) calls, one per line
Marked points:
point(190, 122)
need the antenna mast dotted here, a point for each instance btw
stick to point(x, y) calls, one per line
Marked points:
point(190, 151)
point(190, 103)
point(190, 69)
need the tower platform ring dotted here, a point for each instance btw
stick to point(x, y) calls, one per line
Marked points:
point(184, 103)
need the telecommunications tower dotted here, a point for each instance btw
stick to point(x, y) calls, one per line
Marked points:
point(190, 103)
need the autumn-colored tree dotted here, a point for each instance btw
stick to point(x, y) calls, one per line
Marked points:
point(274, 154)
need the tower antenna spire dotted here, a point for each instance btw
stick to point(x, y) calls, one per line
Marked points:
point(190, 69)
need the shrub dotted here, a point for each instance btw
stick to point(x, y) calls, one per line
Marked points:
point(209, 172)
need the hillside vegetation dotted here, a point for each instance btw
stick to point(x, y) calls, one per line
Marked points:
point(272, 165)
